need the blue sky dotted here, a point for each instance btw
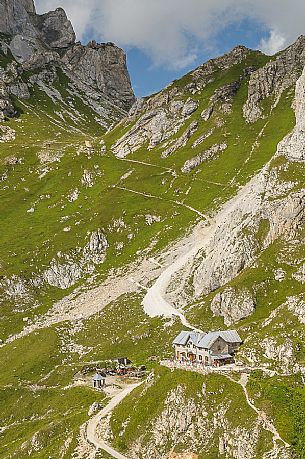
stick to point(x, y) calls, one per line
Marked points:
point(164, 39)
point(148, 77)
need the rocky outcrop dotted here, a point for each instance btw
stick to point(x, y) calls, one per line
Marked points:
point(274, 78)
point(211, 153)
point(223, 97)
point(234, 245)
point(15, 287)
point(281, 353)
point(6, 106)
point(233, 305)
point(293, 146)
point(181, 141)
point(55, 29)
point(300, 274)
point(275, 344)
point(62, 274)
point(158, 124)
point(103, 67)
point(95, 250)
point(66, 269)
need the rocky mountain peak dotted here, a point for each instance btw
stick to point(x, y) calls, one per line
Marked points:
point(274, 78)
point(37, 40)
point(55, 29)
point(28, 5)
point(14, 17)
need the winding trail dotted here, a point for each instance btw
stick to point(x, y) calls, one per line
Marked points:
point(242, 381)
point(93, 423)
point(152, 196)
point(154, 302)
point(268, 425)
point(145, 164)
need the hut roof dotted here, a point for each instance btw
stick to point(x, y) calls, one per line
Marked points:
point(205, 340)
point(184, 336)
point(229, 336)
point(221, 356)
point(98, 377)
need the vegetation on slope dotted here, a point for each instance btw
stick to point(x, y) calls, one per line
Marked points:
point(39, 172)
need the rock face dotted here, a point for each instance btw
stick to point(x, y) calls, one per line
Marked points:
point(55, 29)
point(98, 70)
point(274, 78)
point(234, 246)
point(233, 305)
point(15, 17)
point(103, 67)
point(293, 146)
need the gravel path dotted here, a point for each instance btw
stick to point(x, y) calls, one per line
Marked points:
point(243, 381)
point(154, 302)
point(95, 420)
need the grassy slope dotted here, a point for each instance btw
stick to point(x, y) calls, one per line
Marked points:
point(40, 128)
point(140, 411)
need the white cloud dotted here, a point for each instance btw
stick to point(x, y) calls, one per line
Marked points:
point(170, 31)
point(273, 43)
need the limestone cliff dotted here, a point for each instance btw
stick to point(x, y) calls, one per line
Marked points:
point(102, 67)
point(274, 78)
point(267, 198)
point(97, 70)
point(15, 17)
point(293, 146)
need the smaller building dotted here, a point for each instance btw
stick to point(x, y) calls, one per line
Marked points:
point(209, 349)
point(122, 361)
point(99, 381)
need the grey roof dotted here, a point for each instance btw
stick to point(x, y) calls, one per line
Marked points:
point(205, 340)
point(98, 377)
point(221, 356)
point(184, 336)
point(229, 336)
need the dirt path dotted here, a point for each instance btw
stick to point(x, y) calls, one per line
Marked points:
point(154, 302)
point(268, 425)
point(152, 196)
point(92, 425)
point(243, 381)
point(146, 164)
